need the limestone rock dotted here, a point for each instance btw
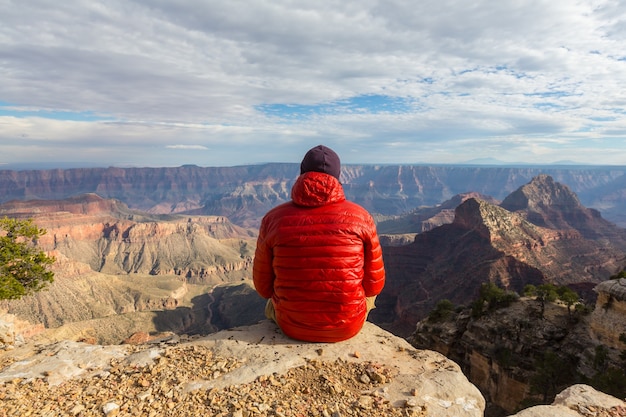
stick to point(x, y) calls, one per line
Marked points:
point(60, 362)
point(578, 401)
point(614, 288)
point(579, 396)
point(404, 377)
point(610, 313)
point(7, 332)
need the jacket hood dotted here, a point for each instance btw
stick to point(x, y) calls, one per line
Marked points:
point(313, 189)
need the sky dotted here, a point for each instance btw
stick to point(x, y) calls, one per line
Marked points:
point(233, 82)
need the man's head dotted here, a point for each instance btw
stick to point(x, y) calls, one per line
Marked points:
point(321, 159)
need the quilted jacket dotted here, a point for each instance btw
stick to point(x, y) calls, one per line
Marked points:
point(317, 258)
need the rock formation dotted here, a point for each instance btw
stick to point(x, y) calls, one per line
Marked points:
point(110, 238)
point(578, 401)
point(126, 271)
point(608, 322)
point(256, 370)
point(549, 204)
point(486, 242)
point(423, 219)
point(515, 355)
point(253, 369)
point(152, 272)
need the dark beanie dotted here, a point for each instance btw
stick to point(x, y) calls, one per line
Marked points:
point(321, 159)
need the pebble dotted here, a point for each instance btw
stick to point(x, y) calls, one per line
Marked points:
point(110, 409)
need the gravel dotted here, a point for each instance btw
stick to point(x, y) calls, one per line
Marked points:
point(162, 388)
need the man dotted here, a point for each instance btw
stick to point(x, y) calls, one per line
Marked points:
point(318, 259)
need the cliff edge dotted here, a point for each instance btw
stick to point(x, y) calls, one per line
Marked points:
point(252, 370)
point(255, 371)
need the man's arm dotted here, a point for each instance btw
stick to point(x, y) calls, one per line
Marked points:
point(374, 276)
point(262, 269)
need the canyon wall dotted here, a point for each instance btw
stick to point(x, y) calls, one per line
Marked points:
point(245, 193)
point(118, 271)
point(487, 242)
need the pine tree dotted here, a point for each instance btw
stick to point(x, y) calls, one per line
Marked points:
point(23, 265)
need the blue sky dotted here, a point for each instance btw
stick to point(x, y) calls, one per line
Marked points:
point(222, 83)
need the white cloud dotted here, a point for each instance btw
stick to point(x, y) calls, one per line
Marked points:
point(515, 80)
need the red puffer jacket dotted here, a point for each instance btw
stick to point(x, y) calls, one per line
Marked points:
point(317, 258)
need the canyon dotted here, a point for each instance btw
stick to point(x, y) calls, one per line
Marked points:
point(118, 271)
point(244, 193)
point(551, 238)
point(170, 250)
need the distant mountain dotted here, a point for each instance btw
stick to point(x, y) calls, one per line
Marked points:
point(547, 238)
point(245, 193)
point(548, 204)
point(490, 161)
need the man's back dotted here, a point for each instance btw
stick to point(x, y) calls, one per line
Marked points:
point(318, 258)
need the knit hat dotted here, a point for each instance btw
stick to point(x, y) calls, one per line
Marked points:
point(321, 159)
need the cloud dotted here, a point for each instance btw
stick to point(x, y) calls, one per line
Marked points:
point(255, 81)
point(188, 147)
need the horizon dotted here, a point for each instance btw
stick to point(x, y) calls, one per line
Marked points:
point(215, 83)
point(37, 166)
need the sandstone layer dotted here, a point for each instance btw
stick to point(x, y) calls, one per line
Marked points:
point(118, 270)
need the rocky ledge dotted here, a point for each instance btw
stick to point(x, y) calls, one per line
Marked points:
point(251, 371)
point(241, 372)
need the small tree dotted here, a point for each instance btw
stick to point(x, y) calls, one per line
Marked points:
point(549, 293)
point(23, 266)
point(543, 293)
point(493, 297)
point(442, 311)
point(530, 290)
point(569, 297)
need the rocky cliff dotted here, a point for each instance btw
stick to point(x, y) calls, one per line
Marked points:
point(120, 270)
point(518, 356)
point(608, 321)
point(99, 242)
point(111, 238)
point(486, 242)
point(244, 193)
